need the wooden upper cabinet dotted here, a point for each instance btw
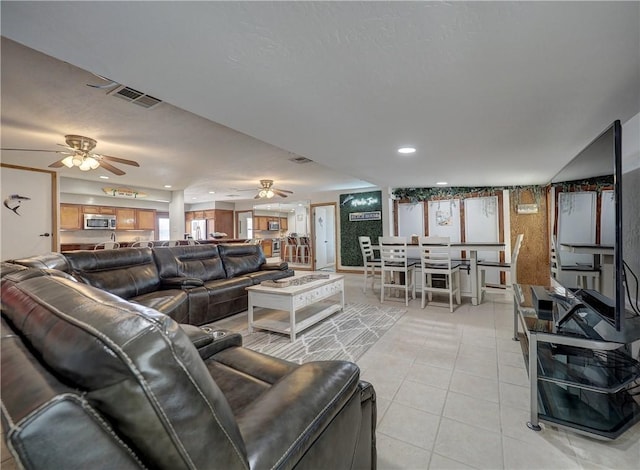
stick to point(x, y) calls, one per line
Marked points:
point(99, 210)
point(260, 223)
point(125, 219)
point(145, 219)
point(71, 217)
point(210, 214)
point(284, 223)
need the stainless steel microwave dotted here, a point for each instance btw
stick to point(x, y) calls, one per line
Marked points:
point(274, 225)
point(99, 222)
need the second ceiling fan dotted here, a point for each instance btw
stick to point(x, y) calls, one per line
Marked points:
point(267, 191)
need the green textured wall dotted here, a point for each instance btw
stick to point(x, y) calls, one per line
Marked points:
point(350, 230)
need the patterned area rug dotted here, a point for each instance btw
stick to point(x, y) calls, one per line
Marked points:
point(345, 335)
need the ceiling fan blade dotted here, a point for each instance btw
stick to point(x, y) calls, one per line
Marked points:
point(116, 159)
point(257, 196)
point(32, 150)
point(57, 164)
point(279, 193)
point(111, 168)
point(284, 191)
point(68, 147)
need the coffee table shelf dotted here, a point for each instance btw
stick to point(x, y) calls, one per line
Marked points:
point(292, 309)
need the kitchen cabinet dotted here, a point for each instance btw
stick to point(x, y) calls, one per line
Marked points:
point(98, 210)
point(125, 219)
point(284, 223)
point(145, 219)
point(260, 223)
point(70, 217)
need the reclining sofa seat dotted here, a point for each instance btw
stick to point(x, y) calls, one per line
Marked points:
point(130, 273)
point(124, 387)
point(216, 276)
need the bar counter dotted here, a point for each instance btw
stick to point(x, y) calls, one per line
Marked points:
point(91, 246)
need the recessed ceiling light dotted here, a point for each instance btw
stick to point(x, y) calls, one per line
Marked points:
point(167, 185)
point(212, 192)
point(441, 183)
point(104, 177)
point(407, 150)
point(194, 198)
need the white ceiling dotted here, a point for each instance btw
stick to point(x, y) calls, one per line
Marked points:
point(490, 93)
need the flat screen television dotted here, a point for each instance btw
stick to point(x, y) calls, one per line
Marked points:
point(599, 164)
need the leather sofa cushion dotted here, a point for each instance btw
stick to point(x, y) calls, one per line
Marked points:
point(127, 272)
point(52, 406)
point(135, 365)
point(241, 259)
point(52, 260)
point(17, 272)
point(200, 262)
point(172, 302)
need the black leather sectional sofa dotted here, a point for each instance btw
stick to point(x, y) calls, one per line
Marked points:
point(92, 381)
point(194, 284)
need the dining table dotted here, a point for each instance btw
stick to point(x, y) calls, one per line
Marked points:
point(603, 259)
point(472, 248)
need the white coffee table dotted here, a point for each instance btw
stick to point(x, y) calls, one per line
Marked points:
point(296, 307)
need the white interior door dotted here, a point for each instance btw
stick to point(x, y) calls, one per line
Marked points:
point(324, 236)
point(27, 213)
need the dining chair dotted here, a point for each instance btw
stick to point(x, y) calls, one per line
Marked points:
point(369, 261)
point(108, 245)
point(502, 267)
point(396, 270)
point(435, 258)
point(142, 244)
point(582, 272)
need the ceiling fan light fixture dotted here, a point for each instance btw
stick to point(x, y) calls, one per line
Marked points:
point(68, 161)
point(77, 160)
point(85, 166)
point(93, 163)
point(269, 194)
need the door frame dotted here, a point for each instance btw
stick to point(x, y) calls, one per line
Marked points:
point(55, 244)
point(312, 211)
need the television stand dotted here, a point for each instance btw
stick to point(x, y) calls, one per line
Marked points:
point(578, 381)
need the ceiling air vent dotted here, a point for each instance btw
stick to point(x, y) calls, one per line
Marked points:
point(300, 160)
point(135, 97)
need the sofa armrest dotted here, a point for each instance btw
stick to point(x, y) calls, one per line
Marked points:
point(180, 282)
point(283, 423)
point(210, 340)
point(282, 266)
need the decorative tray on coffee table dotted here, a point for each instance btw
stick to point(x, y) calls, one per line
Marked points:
point(296, 281)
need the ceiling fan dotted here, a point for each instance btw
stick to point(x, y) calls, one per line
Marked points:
point(79, 152)
point(267, 191)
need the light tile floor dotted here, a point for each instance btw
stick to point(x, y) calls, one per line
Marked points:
point(452, 393)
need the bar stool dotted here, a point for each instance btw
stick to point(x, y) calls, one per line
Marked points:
point(290, 249)
point(303, 249)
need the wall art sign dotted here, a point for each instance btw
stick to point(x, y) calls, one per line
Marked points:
point(360, 216)
point(527, 208)
point(14, 201)
point(124, 192)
